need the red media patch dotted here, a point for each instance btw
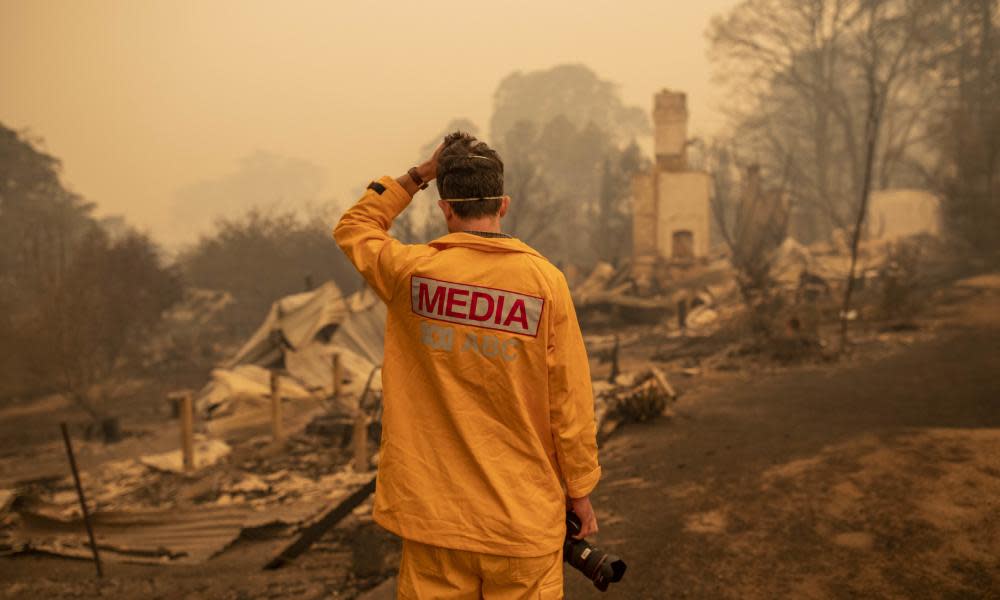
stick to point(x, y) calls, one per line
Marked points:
point(475, 305)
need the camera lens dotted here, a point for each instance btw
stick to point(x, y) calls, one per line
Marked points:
point(597, 565)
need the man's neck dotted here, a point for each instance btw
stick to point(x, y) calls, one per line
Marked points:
point(485, 224)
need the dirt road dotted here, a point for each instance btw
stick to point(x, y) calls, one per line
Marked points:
point(879, 480)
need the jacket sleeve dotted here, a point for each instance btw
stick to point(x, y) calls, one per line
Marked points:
point(363, 234)
point(571, 398)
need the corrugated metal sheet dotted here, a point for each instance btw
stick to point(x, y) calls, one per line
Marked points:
point(175, 536)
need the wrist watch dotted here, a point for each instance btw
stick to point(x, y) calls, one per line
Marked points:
point(421, 184)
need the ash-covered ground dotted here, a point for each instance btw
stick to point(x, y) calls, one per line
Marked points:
point(875, 474)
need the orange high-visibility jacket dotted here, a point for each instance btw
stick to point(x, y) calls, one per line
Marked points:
point(488, 417)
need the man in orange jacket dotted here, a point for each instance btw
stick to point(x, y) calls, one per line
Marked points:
point(488, 421)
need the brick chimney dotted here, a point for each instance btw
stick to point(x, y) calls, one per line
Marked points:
point(670, 130)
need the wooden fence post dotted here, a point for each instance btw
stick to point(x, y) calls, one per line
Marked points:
point(360, 441)
point(187, 430)
point(337, 375)
point(276, 429)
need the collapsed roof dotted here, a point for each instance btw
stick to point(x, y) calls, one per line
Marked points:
point(298, 339)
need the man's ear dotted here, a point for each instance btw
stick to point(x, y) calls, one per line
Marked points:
point(445, 209)
point(504, 204)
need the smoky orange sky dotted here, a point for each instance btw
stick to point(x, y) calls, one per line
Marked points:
point(144, 101)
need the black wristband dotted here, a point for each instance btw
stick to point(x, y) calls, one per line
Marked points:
point(416, 178)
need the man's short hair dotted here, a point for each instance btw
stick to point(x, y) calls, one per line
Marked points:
point(468, 168)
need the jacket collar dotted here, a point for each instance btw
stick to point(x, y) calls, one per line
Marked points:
point(484, 244)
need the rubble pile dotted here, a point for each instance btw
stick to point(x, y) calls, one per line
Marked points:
point(632, 398)
point(148, 510)
point(699, 296)
point(257, 464)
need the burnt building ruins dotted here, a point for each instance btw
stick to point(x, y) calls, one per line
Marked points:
point(671, 202)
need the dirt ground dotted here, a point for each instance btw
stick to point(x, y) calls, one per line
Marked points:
point(878, 477)
point(875, 479)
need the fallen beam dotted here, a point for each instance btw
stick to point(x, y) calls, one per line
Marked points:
point(661, 379)
point(315, 531)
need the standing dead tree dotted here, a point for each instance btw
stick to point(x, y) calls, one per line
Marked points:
point(888, 49)
point(876, 105)
point(752, 223)
point(800, 101)
point(966, 127)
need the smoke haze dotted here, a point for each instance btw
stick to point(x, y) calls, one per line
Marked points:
point(154, 107)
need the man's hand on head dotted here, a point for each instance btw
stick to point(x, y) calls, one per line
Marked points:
point(429, 168)
point(427, 171)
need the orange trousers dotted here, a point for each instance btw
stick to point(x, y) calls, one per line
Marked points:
point(434, 573)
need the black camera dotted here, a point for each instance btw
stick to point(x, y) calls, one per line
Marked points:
point(599, 566)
